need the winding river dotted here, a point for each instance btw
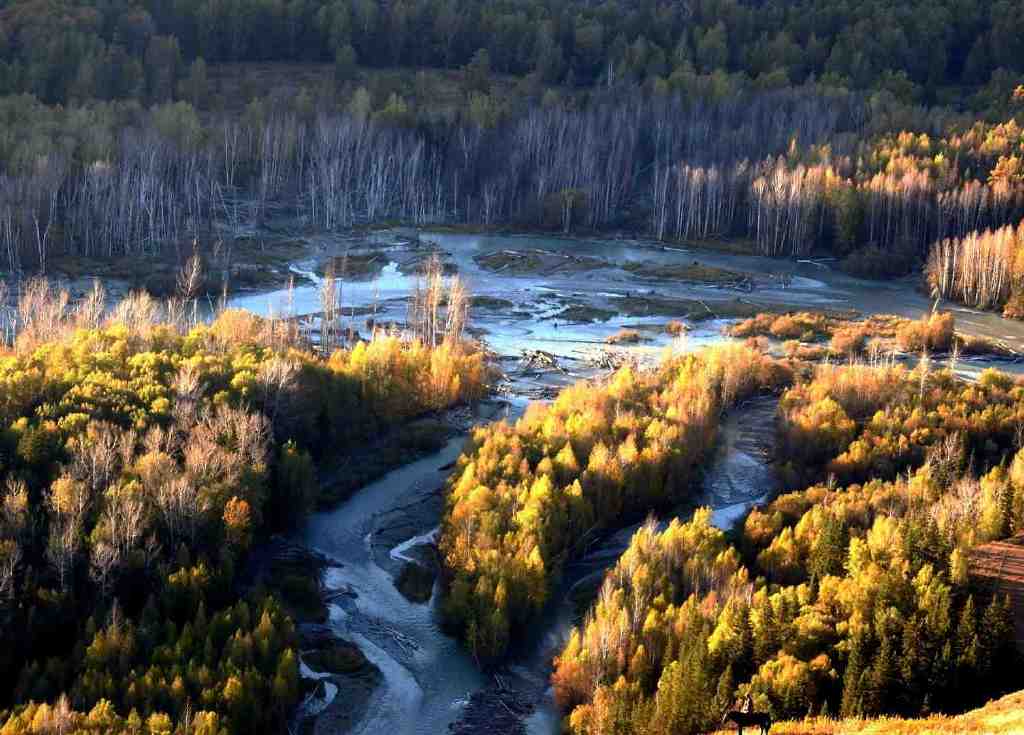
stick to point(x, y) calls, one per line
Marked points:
point(428, 680)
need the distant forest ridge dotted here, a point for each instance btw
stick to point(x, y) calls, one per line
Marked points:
point(919, 50)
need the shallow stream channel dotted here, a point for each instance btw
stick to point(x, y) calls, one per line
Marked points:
point(427, 683)
point(563, 297)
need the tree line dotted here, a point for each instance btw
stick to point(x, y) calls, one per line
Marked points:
point(851, 597)
point(922, 50)
point(982, 269)
point(791, 170)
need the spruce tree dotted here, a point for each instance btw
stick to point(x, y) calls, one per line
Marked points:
point(852, 704)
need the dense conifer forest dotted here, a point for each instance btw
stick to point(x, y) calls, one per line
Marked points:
point(848, 598)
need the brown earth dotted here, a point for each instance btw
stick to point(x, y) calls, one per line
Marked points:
point(999, 567)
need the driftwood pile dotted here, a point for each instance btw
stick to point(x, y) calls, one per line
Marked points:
point(609, 359)
point(744, 283)
point(498, 708)
point(541, 360)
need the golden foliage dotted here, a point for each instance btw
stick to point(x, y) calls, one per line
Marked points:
point(523, 497)
point(849, 597)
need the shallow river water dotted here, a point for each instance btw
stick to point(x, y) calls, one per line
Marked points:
point(426, 675)
point(531, 318)
point(427, 678)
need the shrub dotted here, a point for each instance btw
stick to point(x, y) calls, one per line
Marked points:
point(875, 263)
point(1014, 308)
point(804, 325)
point(796, 350)
point(676, 328)
point(752, 327)
point(625, 336)
point(850, 340)
point(934, 333)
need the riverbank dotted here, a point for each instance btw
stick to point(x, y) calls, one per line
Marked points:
point(546, 331)
point(375, 535)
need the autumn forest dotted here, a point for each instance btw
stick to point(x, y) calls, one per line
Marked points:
point(239, 243)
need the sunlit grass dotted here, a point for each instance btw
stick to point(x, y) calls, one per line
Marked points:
point(1001, 717)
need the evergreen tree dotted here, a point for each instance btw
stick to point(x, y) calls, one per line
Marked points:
point(854, 675)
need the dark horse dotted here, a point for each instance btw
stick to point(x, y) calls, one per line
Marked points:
point(749, 719)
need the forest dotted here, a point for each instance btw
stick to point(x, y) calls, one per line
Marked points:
point(792, 128)
point(151, 448)
point(848, 598)
point(785, 170)
point(143, 456)
point(926, 50)
point(524, 497)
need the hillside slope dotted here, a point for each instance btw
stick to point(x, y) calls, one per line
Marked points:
point(1002, 716)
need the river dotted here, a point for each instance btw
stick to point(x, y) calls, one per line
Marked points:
point(531, 308)
point(428, 679)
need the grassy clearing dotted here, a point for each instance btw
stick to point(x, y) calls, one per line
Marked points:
point(732, 246)
point(536, 262)
point(491, 302)
point(695, 310)
point(414, 265)
point(507, 261)
point(583, 313)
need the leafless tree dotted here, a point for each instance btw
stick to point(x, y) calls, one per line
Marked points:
point(10, 558)
point(330, 309)
point(104, 560)
point(188, 283)
point(694, 167)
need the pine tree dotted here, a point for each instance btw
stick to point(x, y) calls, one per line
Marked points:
point(828, 553)
point(724, 696)
point(852, 704)
point(884, 675)
point(286, 682)
point(765, 630)
point(913, 665)
point(997, 642)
